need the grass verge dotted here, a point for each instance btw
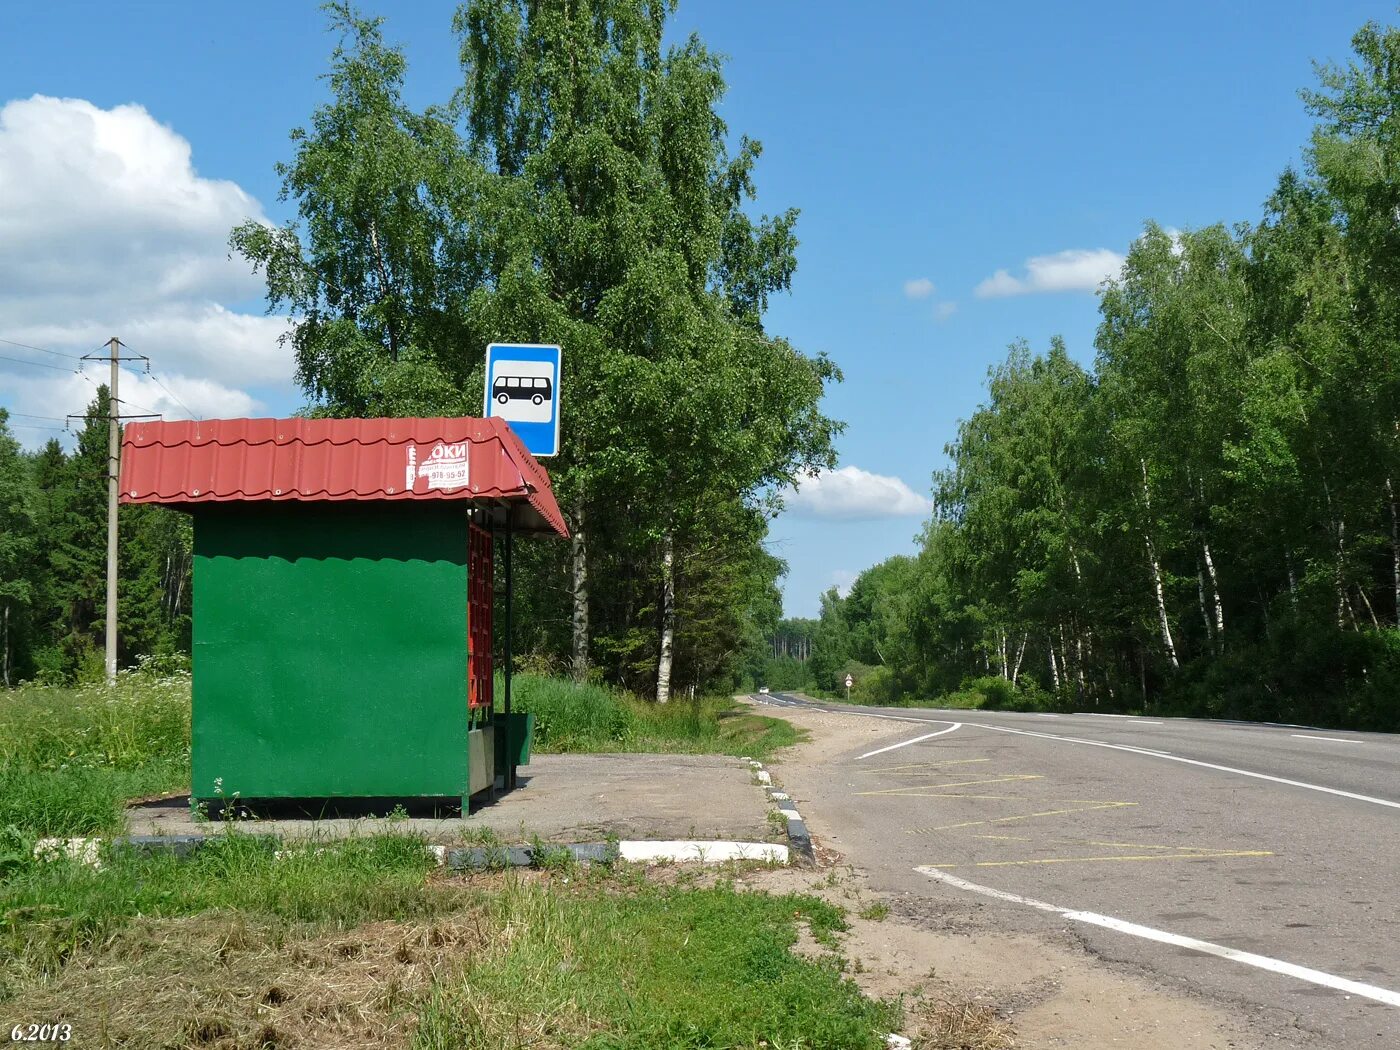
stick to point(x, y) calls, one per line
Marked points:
point(573, 717)
point(363, 943)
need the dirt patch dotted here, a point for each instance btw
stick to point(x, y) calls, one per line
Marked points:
point(1002, 989)
point(831, 734)
point(220, 982)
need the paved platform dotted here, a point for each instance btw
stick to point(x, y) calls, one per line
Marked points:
point(560, 798)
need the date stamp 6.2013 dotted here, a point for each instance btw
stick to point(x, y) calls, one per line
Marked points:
point(47, 1032)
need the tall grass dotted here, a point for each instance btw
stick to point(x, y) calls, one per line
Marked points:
point(70, 757)
point(577, 717)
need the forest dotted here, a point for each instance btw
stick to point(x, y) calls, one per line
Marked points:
point(53, 563)
point(1205, 521)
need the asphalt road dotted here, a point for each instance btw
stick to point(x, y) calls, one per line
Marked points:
point(1256, 865)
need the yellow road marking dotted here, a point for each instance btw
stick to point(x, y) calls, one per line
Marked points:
point(960, 794)
point(1095, 860)
point(1022, 816)
point(933, 789)
point(925, 765)
point(1145, 845)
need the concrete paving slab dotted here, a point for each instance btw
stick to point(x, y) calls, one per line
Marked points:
point(560, 798)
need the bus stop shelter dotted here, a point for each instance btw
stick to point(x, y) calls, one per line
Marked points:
point(343, 600)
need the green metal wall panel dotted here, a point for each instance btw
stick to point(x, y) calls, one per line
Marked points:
point(330, 651)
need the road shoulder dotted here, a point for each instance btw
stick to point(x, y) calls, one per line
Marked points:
point(1051, 989)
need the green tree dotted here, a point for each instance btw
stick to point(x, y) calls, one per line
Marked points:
point(831, 641)
point(18, 550)
point(578, 189)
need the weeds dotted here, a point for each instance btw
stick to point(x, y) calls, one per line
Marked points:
point(879, 911)
point(71, 758)
point(575, 717)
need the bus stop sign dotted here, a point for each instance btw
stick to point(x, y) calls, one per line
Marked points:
point(522, 387)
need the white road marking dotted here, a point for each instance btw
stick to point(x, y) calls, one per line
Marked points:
point(1192, 762)
point(1263, 962)
point(1333, 739)
point(906, 743)
point(1127, 718)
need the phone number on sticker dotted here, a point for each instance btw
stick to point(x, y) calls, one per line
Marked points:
point(41, 1033)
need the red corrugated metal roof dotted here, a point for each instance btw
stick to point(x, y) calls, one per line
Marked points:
point(185, 462)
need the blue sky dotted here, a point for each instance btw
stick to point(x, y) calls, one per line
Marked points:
point(925, 144)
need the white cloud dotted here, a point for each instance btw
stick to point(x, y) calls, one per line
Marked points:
point(108, 229)
point(918, 288)
point(852, 494)
point(1073, 270)
point(842, 579)
point(943, 311)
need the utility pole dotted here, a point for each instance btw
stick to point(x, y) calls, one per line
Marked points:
point(114, 444)
point(113, 472)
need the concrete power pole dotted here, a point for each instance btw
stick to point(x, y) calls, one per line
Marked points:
point(113, 473)
point(114, 445)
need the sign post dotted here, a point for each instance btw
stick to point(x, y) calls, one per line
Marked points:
point(849, 682)
point(522, 387)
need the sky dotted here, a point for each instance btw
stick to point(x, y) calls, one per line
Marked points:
point(966, 175)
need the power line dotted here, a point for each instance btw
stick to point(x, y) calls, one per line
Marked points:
point(172, 395)
point(36, 364)
point(41, 349)
point(143, 408)
point(38, 426)
point(168, 392)
point(30, 415)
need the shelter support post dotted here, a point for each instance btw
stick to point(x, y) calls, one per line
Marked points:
point(510, 609)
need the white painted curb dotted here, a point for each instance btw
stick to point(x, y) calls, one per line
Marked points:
point(84, 851)
point(691, 850)
point(798, 835)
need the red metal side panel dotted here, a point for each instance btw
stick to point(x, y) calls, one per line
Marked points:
point(480, 599)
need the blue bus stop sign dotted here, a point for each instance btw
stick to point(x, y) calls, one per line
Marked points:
point(522, 387)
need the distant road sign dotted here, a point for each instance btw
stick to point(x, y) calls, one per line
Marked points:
point(850, 681)
point(522, 387)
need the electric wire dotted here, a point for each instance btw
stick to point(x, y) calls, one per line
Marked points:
point(41, 349)
point(79, 371)
point(171, 393)
point(36, 364)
